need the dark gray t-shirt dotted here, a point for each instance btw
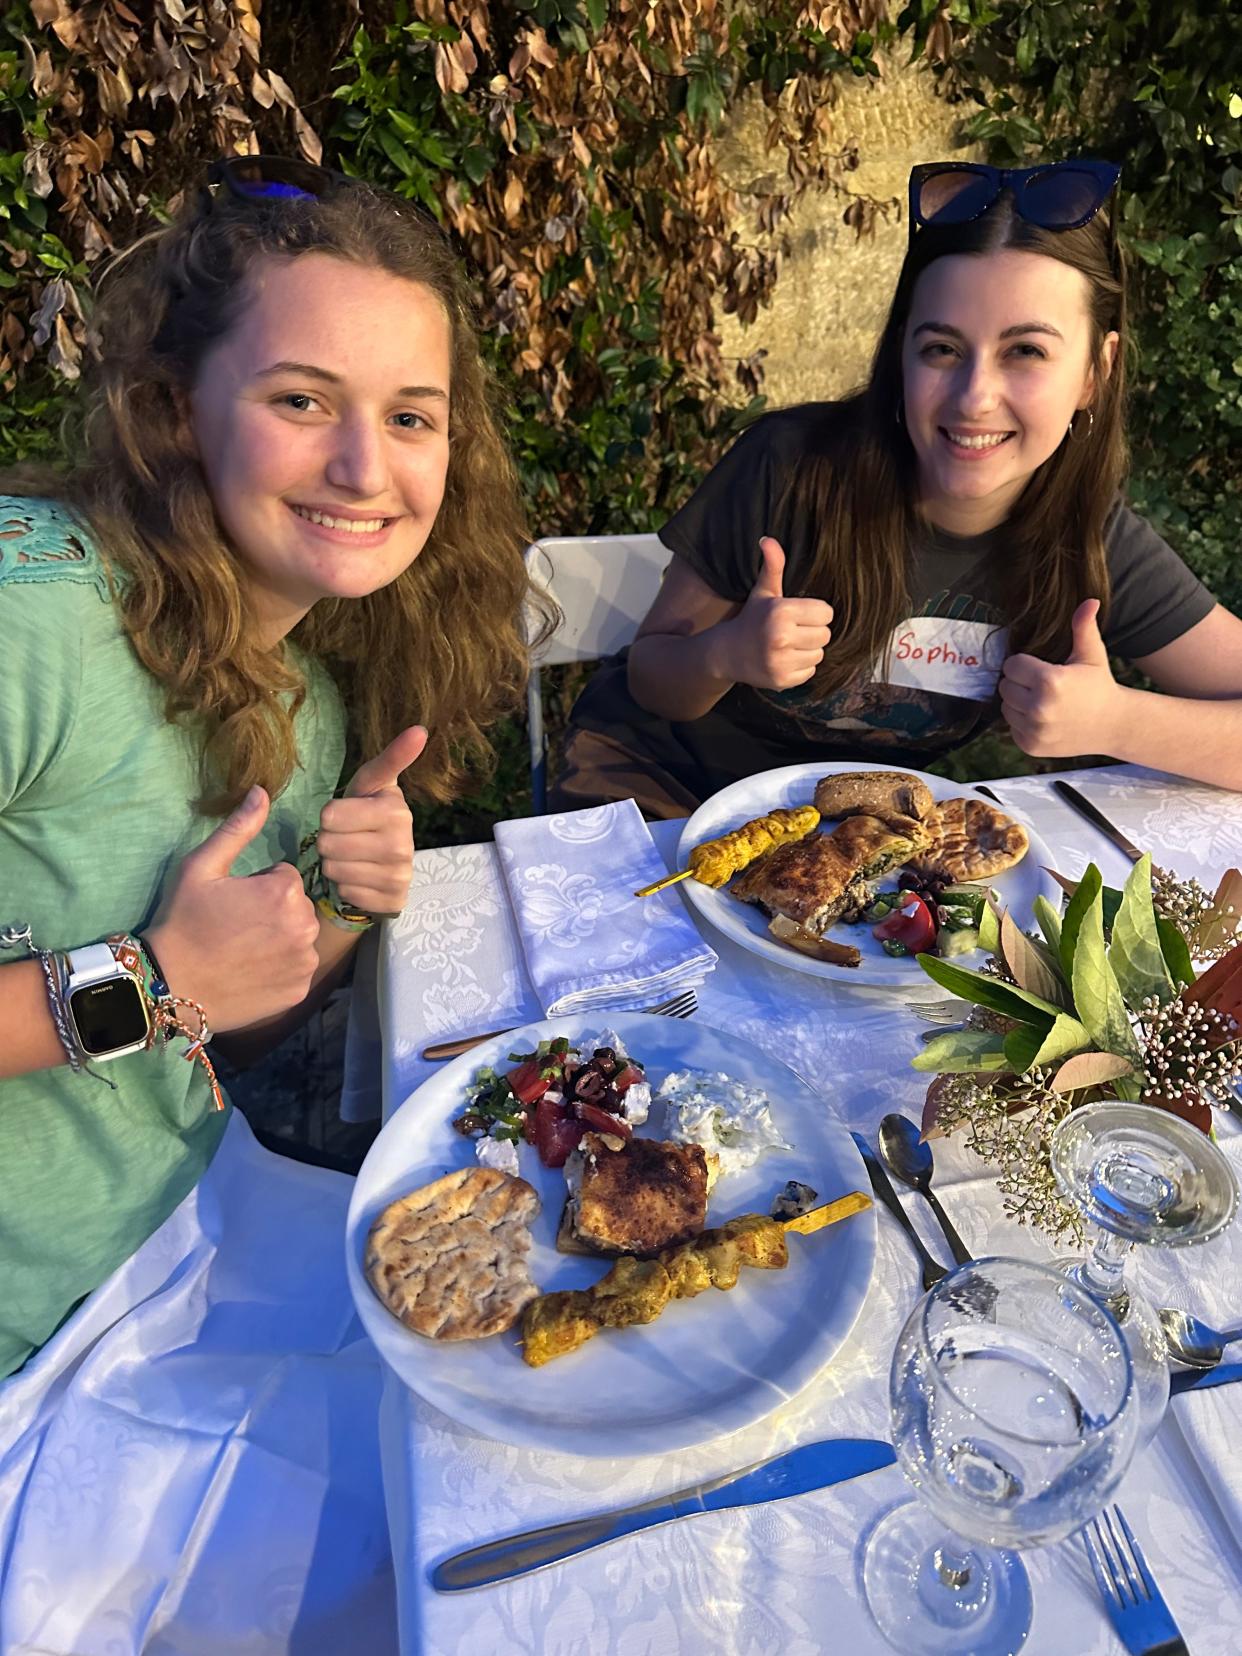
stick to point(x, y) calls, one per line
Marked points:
point(937, 687)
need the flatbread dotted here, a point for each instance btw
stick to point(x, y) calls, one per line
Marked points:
point(450, 1259)
point(974, 841)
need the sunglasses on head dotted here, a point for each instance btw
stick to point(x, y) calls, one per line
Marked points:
point(1062, 195)
point(272, 178)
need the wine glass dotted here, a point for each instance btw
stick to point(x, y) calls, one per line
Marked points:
point(1013, 1416)
point(1136, 1173)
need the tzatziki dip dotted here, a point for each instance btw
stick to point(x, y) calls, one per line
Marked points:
point(729, 1119)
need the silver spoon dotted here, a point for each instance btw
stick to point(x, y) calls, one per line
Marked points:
point(1192, 1342)
point(910, 1160)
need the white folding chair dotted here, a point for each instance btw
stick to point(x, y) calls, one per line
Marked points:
point(604, 585)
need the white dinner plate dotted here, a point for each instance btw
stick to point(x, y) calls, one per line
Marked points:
point(707, 1366)
point(747, 925)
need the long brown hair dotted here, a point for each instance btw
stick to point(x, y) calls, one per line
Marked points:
point(442, 645)
point(858, 486)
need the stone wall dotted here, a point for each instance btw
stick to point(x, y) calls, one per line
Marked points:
point(835, 285)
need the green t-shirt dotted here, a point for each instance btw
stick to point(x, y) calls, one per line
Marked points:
point(96, 813)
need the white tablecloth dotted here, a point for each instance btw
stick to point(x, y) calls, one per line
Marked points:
point(190, 1466)
point(782, 1576)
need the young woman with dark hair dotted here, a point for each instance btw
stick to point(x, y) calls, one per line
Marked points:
point(884, 577)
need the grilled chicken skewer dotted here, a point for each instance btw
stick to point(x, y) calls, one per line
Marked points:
point(637, 1290)
point(716, 861)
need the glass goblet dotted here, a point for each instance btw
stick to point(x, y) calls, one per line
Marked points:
point(1013, 1417)
point(1138, 1174)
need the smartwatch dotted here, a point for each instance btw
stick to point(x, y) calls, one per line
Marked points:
point(107, 1005)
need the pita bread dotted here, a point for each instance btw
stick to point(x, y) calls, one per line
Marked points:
point(973, 841)
point(450, 1259)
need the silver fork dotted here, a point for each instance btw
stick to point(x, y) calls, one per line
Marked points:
point(683, 1005)
point(1135, 1605)
point(939, 1012)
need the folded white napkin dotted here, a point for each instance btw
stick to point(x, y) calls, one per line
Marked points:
point(590, 944)
point(1209, 1424)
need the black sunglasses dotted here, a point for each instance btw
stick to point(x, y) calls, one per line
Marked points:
point(273, 178)
point(1062, 195)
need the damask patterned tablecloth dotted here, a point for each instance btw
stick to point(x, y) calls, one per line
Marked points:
point(785, 1576)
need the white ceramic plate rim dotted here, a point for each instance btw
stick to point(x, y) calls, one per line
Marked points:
point(746, 925)
point(418, 1143)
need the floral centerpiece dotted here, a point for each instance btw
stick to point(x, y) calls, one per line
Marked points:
point(1102, 1002)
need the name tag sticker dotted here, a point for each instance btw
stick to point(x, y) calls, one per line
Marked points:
point(946, 656)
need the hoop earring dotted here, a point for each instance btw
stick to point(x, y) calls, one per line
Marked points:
point(1090, 423)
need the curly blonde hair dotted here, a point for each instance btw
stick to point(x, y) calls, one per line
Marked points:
point(443, 645)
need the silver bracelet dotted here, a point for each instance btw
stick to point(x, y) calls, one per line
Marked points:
point(56, 1001)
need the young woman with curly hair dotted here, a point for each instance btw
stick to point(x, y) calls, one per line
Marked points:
point(287, 535)
point(886, 576)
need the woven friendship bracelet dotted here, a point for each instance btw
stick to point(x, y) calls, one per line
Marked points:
point(135, 955)
point(51, 974)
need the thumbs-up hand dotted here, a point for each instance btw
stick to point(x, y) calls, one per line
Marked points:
point(1058, 709)
point(243, 948)
point(366, 839)
point(776, 642)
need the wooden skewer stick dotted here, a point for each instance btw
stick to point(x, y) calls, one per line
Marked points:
point(827, 1213)
point(671, 879)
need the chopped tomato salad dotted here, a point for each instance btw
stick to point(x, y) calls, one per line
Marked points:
point(551, 1097)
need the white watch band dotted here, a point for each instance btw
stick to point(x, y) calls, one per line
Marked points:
point(91, 964)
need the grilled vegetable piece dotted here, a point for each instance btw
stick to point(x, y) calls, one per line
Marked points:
point(785, 930)
point(715, 862)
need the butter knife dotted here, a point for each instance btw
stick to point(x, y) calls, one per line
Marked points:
point(811, 1466)
point(1096, 817)
point(933, 1270)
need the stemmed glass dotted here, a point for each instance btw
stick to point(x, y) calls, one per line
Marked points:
point(1013, 1416)
point(1138, 1174)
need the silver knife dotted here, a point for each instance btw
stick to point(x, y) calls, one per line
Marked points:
point(1096, 817)
point(1224, 1374)
point(933, 1270)
point(811, 1466)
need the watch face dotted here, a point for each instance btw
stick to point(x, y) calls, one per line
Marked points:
point(109, 1015)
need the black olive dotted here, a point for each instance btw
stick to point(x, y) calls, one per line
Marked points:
point(605, 1060)
point(469, 1123)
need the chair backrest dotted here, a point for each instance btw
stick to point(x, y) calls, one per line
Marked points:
point(604, 585)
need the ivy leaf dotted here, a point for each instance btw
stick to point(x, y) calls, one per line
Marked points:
point(1089, 1069)
point(1135, 953)
point(1097, 994)
point(988, 991)
point(597, 14)
point(962, 1052)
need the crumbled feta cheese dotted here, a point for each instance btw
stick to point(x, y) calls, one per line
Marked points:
point(636, 1103)
point(589, 1044)
point(502, 1154)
